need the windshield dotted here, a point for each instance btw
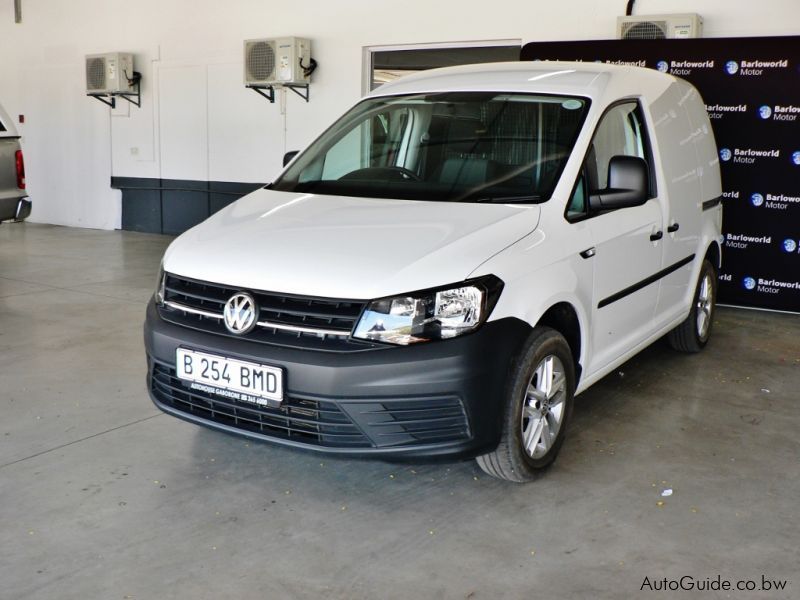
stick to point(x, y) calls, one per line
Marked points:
point(456, 146)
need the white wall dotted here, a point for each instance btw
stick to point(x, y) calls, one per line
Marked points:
point(199, 122)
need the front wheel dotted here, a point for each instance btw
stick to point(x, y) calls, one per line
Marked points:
point(537, 408)
point(693, 334)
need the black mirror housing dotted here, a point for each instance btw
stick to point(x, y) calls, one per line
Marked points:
point(627, 184)
point(287, 158)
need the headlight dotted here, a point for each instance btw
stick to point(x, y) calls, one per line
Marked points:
point(159, 295)
point(430, 314)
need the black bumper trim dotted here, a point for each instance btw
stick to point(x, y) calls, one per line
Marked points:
point(427, 400)
point(23, 209)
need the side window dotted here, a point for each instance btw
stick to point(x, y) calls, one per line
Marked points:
point(621, 132)
point(577, 204)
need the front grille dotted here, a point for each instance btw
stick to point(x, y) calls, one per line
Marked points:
point(343, 424)
point(309, 421)
point(299, 321)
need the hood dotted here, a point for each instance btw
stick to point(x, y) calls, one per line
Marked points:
point(343, 247)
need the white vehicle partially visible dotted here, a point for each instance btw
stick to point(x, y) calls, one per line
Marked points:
point(14, 202)
point(448, 265)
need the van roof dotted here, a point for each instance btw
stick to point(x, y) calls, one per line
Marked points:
point(587, 79)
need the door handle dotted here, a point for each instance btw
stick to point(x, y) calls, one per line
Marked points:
point(673, 228)
point(654, 237)
point(588, 253)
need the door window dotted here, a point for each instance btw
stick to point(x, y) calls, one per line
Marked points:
point(621, 132)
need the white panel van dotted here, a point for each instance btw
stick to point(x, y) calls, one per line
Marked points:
point(448, 265)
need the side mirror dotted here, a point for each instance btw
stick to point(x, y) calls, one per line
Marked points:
point(627, 184)
point(287, 158)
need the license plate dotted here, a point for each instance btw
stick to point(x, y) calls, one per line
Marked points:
point(241, 380)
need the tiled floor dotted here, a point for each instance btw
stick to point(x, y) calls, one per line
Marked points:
point(102, 496)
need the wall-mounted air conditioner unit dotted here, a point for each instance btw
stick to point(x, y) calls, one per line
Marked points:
point(659, 27)
point(281, 61)
point(109, 73)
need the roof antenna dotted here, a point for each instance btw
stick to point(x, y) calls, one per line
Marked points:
point(629, 8)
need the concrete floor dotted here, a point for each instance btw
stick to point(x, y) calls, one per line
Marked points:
point(102, 496)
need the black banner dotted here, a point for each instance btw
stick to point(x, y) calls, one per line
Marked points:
point(751, 87)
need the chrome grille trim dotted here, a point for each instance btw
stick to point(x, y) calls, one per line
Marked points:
point(296, 329)
point(264, 324)
point(191, 310)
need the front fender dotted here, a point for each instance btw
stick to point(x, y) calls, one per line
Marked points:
point(539, 274)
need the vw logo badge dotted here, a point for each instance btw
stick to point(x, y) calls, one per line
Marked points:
point(240, 313)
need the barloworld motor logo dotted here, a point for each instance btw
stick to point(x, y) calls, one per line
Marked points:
point(754, 68)
point(789, 245)
point(774, 201)
point(765, 112)
point(662, 66)
point(742, 241)
point(749, 156)
point(769, 286)
point(796, 157)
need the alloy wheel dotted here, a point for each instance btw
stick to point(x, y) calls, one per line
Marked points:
point(705, 304)
point(543, 407)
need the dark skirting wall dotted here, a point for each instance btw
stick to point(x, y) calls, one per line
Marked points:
point(172, 206)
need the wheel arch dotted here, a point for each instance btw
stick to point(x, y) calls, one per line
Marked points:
point(714, 255)
point(563, 318)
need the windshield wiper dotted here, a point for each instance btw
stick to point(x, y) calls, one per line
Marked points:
point(509, 199)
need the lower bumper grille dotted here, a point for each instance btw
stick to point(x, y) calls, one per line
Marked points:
point(329, 424)
point(308, 421)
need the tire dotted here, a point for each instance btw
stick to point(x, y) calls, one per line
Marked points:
point(528, 444)
point(692, 335)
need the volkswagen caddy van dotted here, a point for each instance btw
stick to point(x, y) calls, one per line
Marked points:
point(447, 266)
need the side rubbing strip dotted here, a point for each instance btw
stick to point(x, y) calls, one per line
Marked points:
point(645, 282)
point(708, 204)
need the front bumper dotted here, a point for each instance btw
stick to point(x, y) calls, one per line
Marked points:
point(436, 399)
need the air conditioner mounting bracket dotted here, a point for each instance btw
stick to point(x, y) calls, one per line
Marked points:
point(134, 97)
point(269, 94)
